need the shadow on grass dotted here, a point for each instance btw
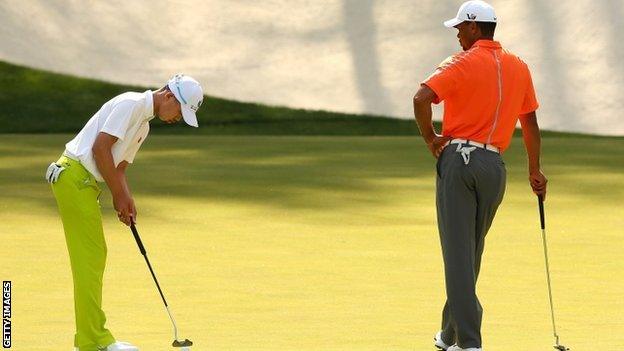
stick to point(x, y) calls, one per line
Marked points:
point(298, 173)
point(46, 102)
point(288, 172)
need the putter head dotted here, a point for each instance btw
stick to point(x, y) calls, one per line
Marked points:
point(185, 343)
point(561, 348)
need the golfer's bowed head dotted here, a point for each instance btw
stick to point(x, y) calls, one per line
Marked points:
point(474, 11)
point(189, 94)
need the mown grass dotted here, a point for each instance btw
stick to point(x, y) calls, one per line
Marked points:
point(317, 243)
point(36, 101)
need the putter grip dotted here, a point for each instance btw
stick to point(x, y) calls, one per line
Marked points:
point(540, 201)
point(135, 233)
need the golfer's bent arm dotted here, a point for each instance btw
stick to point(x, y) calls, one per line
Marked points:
point(423, 113)
point(120, 172)
point(532, 143)
point(104, 161)
point(121, 175)
point(115, 178)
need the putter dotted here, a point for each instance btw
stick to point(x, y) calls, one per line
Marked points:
point(540, 201)
point(186, 343)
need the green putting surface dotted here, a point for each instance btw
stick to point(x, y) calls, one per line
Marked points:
point(317, 243)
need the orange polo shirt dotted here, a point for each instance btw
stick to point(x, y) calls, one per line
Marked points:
point(485, 89)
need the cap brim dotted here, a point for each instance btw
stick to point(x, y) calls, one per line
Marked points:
point(189, 116)
point(452, 22)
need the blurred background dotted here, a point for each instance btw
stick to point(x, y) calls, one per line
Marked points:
point(301, 214)
point(353, 56)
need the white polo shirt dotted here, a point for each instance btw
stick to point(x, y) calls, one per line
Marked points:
point(126, 117)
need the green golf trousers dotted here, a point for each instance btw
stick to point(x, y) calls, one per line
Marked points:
point(470, 187)
point(76, 193)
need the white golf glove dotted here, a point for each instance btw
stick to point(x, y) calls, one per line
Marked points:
point(53, 172)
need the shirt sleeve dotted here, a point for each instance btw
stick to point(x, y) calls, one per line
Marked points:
point(118, 121)
point(134, 148)
point(446, 78)
point(529, 104)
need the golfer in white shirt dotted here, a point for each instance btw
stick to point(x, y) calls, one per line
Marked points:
point(101, 152)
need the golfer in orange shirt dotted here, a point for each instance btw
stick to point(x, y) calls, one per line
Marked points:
point(485, 90)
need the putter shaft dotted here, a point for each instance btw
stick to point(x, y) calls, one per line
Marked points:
point(137, 238)
point(550, 297)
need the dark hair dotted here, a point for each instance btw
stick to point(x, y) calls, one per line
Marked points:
point(487, 28)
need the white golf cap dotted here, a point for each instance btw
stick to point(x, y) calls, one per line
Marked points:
point(189, 93)
point(474, 10)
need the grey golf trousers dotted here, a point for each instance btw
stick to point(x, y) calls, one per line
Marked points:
point(470, 186)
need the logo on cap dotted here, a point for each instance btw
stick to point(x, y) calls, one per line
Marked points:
point(471, 16)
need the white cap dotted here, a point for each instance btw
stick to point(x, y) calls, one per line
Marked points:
point(189, 93)
point(475, 11)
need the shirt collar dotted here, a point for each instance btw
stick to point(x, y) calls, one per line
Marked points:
point(485, 43)
point(148, 113)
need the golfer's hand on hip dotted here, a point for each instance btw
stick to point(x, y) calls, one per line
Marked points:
point(538, 182)
point(437, 145)
point(124, 205)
